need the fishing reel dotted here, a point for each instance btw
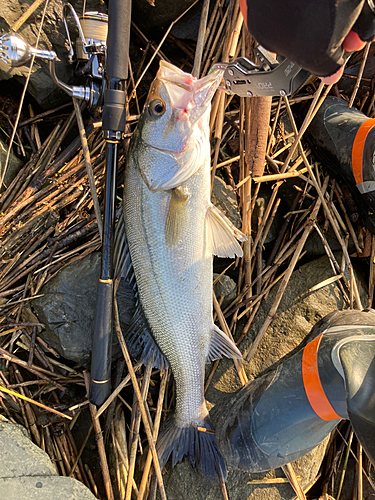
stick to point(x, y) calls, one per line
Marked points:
point(88, 53)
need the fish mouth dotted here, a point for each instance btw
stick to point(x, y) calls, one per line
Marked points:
point(187, 92)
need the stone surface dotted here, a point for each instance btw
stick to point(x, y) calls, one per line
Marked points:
point(225, 287)
point(264, 195)
point(224, 198)
point(19, 456)
point(162, 14)
point(67, 309)
point(14, 165)
point(53, 37)
point(27, 472)
point(44, 488)
point(298, 312)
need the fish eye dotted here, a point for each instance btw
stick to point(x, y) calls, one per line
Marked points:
point(156, 108)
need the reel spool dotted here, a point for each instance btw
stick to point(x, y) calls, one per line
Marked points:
point(95, 29)
point(92, 39)
point(90, 49)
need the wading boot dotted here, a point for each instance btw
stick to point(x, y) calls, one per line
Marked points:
point(343, 139)
point(287, 411)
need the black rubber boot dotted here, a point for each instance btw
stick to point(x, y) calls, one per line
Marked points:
point(343, 139)
point(286, 412)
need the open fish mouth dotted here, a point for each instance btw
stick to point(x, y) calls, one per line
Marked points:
point(189, 93)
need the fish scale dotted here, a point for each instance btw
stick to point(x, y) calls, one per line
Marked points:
point(172, 230)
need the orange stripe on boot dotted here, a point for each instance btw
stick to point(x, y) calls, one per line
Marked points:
point(311, 381)
point(357, 150)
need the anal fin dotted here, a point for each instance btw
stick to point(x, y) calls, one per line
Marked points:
point(222, 235)
point(222, 345)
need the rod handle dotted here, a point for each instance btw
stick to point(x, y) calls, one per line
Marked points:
point(100, 384)
point(119, 14)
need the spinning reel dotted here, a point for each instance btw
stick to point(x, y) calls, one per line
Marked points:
point(88, 53)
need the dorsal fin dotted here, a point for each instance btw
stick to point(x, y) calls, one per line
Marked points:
point(138, 337)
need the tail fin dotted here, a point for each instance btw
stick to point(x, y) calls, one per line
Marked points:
point(199, 445)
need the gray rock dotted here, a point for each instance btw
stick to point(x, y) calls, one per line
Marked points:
point(298, 312)
point(14, 164)
point(265, 195)
point(67, 309)
point(44, 488)
point(225, 287)
point(224, 198)
point(27, 472)
point(162, 14)
point(53, 37)
point(19, 456)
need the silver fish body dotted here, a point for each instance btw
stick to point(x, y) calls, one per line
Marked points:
point(168, 219)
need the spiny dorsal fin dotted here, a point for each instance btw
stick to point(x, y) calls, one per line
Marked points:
point(141, 343)
point(222, 345)
point(122, 262)
point(222, 235)
point(139, 339)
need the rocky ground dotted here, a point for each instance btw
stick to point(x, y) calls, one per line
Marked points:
point(304, 259)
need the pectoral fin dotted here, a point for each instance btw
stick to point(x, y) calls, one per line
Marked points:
point(222, 235)
point(176, 209)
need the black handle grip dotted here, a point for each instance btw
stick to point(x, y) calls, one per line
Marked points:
point(119, 15)
point(100, 385)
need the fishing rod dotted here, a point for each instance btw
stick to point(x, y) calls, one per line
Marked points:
point(101, 55)
point(119, 14)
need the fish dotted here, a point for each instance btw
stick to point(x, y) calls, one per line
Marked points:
point(172, 232)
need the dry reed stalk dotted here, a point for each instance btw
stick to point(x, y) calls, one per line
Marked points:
point(263, 220)
point(347, 219)
point(278, 177)
point(291, 475)
point(118, 433)
point(235, 35)
point(371, 286)
point(344, 467)
point(360, 73)
point(29, 413)
point(211, 30)
point(100, 445)
point(201, 38)
point(214, 47)
point(116, 392)
point(138, 395)
point(36, 403)
point(224, 326)
point(284, 283)
point(273, 129)
point(159, 407)
point(327, 210)
point(338, 236)
point(134, 444)
point(313, 109)
point(87, 159)
point(359, 473)
point(258, 134)
point(79, 454)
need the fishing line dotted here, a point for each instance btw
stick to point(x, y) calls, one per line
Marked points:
point(160, 44)
point(22, 97)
